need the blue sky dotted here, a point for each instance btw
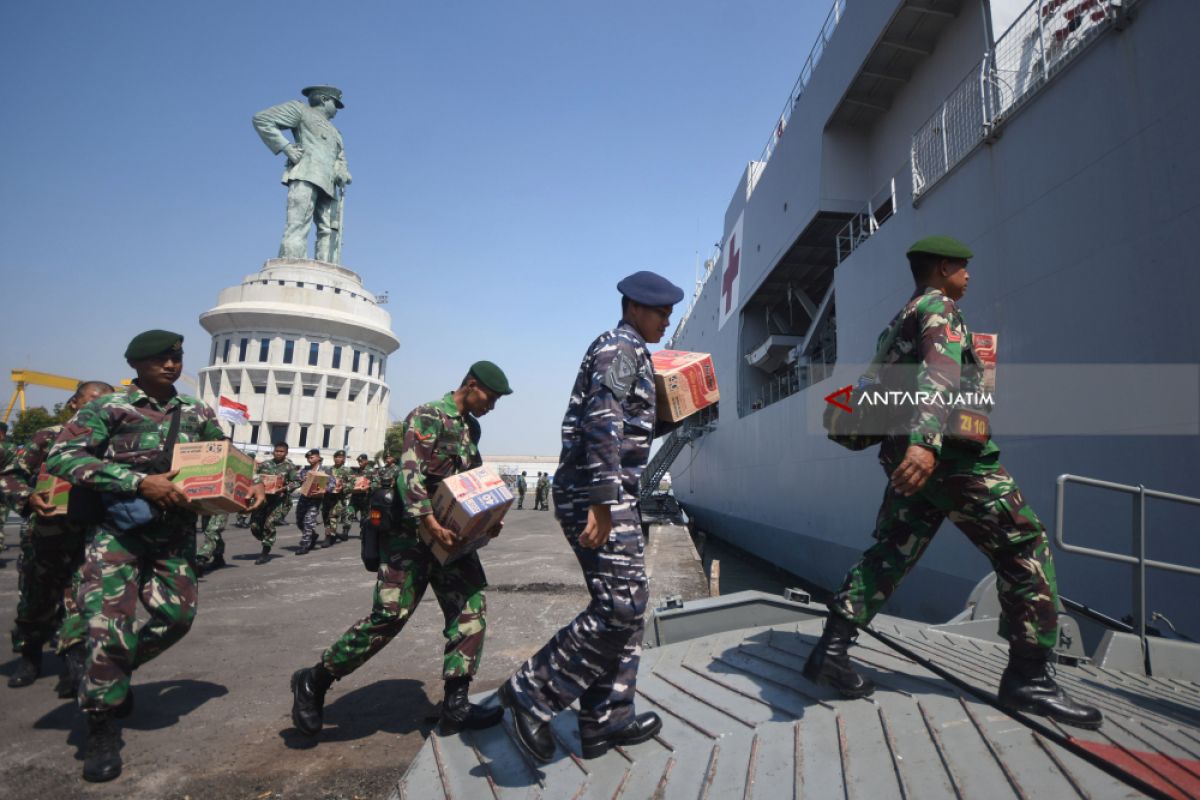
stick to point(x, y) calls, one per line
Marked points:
point(511, 161)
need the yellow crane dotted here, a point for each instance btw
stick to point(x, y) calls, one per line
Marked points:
point(28, 377)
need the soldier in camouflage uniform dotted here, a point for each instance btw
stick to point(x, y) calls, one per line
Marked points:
point(936, 472)
point(606, 435)
point(441, 438)
point(115, 445)
point(272, 512)
point(522, 487)
point(211, 554)
point(360, 499)
point(51, 554)
point(335, 506)
point(385, 476)
point(7, 453)
point(541, 492)
point(308, 507)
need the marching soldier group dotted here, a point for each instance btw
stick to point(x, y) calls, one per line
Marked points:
point(133, 535)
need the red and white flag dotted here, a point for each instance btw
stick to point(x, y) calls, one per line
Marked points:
point(236, 413)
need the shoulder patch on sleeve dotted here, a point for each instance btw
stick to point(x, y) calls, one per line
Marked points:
point(621, 373)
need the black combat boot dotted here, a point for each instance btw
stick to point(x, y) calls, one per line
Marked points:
point(28, 668)
point(829, 662)
point(102, 752)
point(308, 698)
point(532, 734)
point(75, 661)
point(263, 557)
point(641, 728)
point(458, 712)
point(1028, 685)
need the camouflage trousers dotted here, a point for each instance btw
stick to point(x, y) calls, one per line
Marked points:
point(983, 501)
point(407, 568)
point(335, 512)
point(51, 554)
point(595, 658)
point(264, 518)
point(214, 544)
point(153, 563)
point(520, 498)
point(308, 515)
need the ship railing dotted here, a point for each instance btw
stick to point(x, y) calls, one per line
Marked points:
point(1041, 41)
point(791, 381)
point(1138, 558)
point(865, 223)
point(814, 55)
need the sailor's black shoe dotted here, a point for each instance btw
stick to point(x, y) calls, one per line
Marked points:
point(1027, 685)
point(459, 713)
point(308, 698)
point(28, 668)
point(532, 734)
point(102, 751)
point(643, 728)
point(829, 662)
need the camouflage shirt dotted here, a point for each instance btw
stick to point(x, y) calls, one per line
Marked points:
point(934, 342)
point(367, 472)
point(384, 476)
point(345, 475)
point(112, 441)
point(610, 419)
point(289, 471)
point(19, 476)
point(439, 441)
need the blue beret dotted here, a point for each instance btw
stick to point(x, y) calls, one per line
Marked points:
point(650, 289)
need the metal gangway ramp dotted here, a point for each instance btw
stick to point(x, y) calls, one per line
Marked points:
point(741, 721)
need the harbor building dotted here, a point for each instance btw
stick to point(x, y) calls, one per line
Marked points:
point(304, 347)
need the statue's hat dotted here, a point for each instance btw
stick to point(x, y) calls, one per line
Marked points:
point(330, 91)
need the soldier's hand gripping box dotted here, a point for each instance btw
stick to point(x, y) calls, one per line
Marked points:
point(56, 490)
point(362, 483)
point(684, 383)
point(272, 484)
point(215, 476)
point(470, 504)
point(315, 485)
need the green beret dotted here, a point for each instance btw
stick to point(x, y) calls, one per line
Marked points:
point(153, 343)
point(944, 246)
point(491, 376)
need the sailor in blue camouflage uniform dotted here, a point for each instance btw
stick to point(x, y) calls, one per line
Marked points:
point(606, 434)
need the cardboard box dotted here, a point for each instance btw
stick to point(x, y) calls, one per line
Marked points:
point(315, 484)
point(984, 345)
point(56, 489)
point(273, 484)
point(470, 504)
point(684, 383)
point(362, 483)
point(215, 476)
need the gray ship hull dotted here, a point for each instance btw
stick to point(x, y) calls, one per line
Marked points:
point(1082, 211)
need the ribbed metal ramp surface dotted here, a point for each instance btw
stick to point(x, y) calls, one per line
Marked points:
point(740, 721)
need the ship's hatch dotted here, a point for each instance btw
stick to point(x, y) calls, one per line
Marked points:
point(788, 332)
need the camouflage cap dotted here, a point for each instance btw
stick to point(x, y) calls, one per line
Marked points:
point(491, 376)
point(153, 343)
point(943, 246)
point(329, 91)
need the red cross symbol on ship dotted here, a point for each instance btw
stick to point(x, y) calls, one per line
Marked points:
point(731, 272)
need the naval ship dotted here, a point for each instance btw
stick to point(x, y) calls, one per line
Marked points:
point(1061, 150)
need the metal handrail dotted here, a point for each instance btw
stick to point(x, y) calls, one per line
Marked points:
point(1139, 561)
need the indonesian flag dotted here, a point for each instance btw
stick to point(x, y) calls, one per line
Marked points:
point(236, 413)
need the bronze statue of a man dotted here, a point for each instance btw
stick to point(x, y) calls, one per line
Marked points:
point(315, 172)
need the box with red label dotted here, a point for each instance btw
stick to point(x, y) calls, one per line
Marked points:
point(470, 504)
point(984, 345)
point(684, 383)
point(215, 476)
point(362, 483)
point(56, 490)
point(273, 484)
point(315, 485)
